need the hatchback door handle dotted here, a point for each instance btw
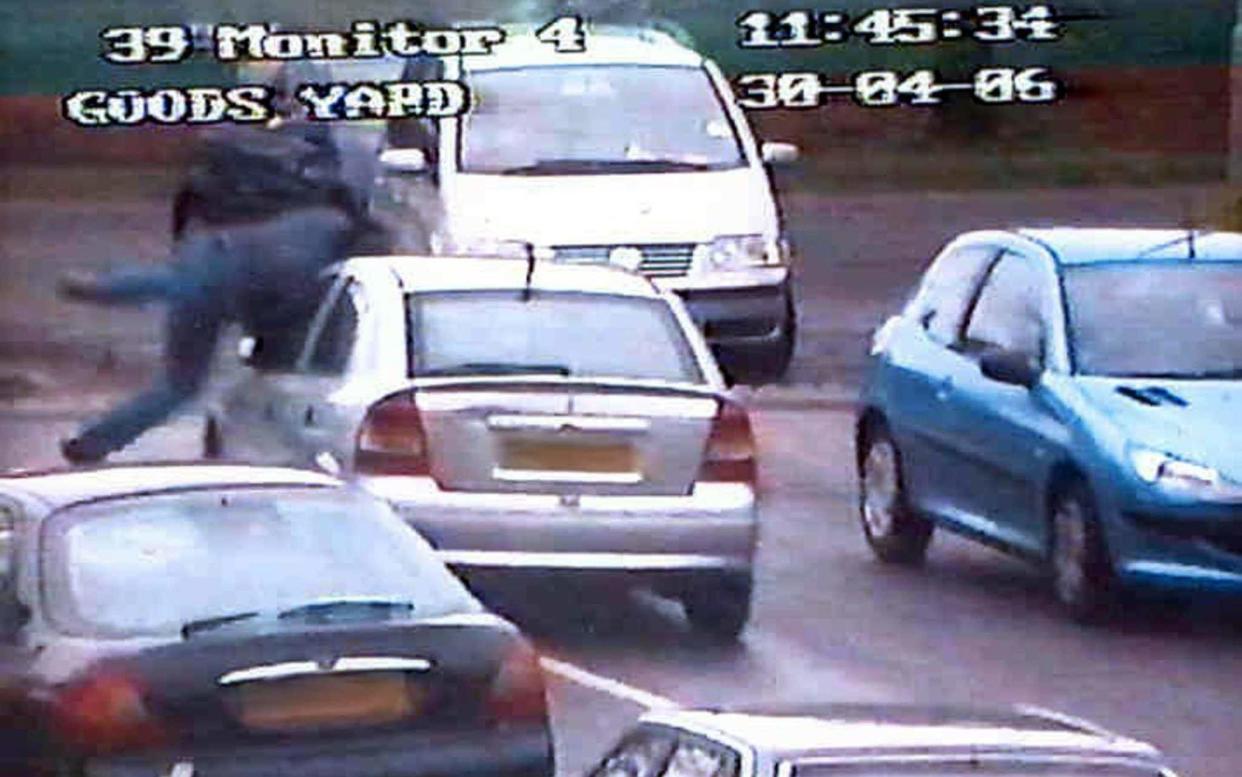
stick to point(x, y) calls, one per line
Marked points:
point(944, 388)
point(308, 417)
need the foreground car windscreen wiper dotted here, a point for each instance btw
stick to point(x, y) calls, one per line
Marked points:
point(495, 368)
point(190, 628)
point(326, 610)
point(347, 608)
point(571, 166)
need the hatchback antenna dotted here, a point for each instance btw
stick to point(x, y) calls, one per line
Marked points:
point(530, 271)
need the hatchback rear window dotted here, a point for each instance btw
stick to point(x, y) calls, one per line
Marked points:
point(152, 564)
point(561, 333)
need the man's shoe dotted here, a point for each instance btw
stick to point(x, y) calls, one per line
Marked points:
point(79, 286)
point(76, 451)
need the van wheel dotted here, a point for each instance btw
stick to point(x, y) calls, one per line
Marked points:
point(213, 439)
point(1082, 574)
point(895, 533)
point(720, 608)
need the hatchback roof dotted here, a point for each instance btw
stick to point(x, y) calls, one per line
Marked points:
point(454, 273)
point(1078, 245)
point(66, 486)
point(792, 732)
point(606, 45)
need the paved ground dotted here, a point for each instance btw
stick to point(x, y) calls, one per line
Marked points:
point(830, 624)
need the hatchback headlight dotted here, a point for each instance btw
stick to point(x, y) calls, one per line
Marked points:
point(735, 252)
point(1168, 471)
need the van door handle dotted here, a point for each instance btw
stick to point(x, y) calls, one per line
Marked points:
point(308, 417)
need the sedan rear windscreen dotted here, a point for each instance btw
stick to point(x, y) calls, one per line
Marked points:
point(153, 564)
point(983, 767)
point(571, 334)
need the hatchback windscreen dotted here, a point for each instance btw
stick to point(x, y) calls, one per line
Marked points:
point(558, 333)
point(1131, 319)
point(152, 565)
point(596, 119)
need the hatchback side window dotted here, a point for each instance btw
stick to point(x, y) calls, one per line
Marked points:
point(1008, 313)
point(335, 341)
point(643, 754)
point(278, 349)
point(948, 287)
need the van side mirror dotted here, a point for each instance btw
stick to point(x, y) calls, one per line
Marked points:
point(404, 160)
point(778, 153)
point(1012, 367)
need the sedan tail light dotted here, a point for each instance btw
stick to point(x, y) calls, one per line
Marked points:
point(392, 440)
point(517, 693)
point(730, 452)
point(106, 713)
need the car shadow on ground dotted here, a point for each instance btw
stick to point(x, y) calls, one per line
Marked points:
point(590, 615)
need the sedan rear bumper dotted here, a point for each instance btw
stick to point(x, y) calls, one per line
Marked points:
point(711, 530)
point(519, 754)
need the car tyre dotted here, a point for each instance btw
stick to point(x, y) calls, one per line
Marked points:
point(894, 531)
point(213, 439)
point(719, 609)
point(1079, 564)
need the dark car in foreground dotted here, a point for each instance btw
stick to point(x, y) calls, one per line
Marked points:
point(1071, 396)
point(230, 620)
point(874, 741)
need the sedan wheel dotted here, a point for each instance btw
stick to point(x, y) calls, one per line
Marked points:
point(1082, 576)
point(213, 439)
point(719, 609)
point(896, 534)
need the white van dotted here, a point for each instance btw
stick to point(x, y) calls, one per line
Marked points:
point(632, 152)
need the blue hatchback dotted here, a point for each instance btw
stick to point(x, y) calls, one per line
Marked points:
point(1073, 396)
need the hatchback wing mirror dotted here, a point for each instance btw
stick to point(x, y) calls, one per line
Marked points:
point(1012, 367)
point(404, 160)
point(247, 347)
point(778, 153)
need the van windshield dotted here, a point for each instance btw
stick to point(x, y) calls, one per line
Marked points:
point(607, 119)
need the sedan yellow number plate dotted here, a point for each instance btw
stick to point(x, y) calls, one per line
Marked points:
point(319, 702)
point(568, 457)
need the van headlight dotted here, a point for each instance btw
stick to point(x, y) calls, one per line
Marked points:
point(1175, 474)
point(736, 252)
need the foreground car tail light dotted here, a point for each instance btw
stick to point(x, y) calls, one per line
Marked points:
point(517, 694)
point(392, 440)
point(105, 713)
point(730, 453)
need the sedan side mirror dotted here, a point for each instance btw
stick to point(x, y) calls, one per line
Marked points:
point(777, 153)
point(404, 160)
point(1012, 367)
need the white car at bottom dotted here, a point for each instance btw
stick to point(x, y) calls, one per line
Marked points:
point(521, 416)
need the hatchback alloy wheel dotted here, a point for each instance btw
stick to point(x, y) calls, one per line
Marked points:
point(1081, 573)
point(896, 533)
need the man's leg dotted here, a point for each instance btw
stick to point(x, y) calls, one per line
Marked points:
point(190, 340)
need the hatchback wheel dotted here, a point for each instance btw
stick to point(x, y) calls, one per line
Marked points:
point(1082, 574)
point(720, 608)
point(896, 534)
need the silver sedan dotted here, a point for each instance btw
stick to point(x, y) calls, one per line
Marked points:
point(521, 417)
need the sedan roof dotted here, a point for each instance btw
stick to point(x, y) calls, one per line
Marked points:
point(61, 487)
point(1076, 245)
point(826, 730)
point(606, 45)
point(455, 273)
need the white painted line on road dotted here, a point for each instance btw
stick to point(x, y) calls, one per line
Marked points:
point(606, 684)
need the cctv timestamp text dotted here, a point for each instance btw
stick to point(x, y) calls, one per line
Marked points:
point(887, 88)
point(899, 26)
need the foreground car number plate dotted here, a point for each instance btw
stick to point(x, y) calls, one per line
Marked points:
point(319, 702)
point(568, 457)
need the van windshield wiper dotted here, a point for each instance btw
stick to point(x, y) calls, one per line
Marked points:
point(604, 166)
point(495, 368)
